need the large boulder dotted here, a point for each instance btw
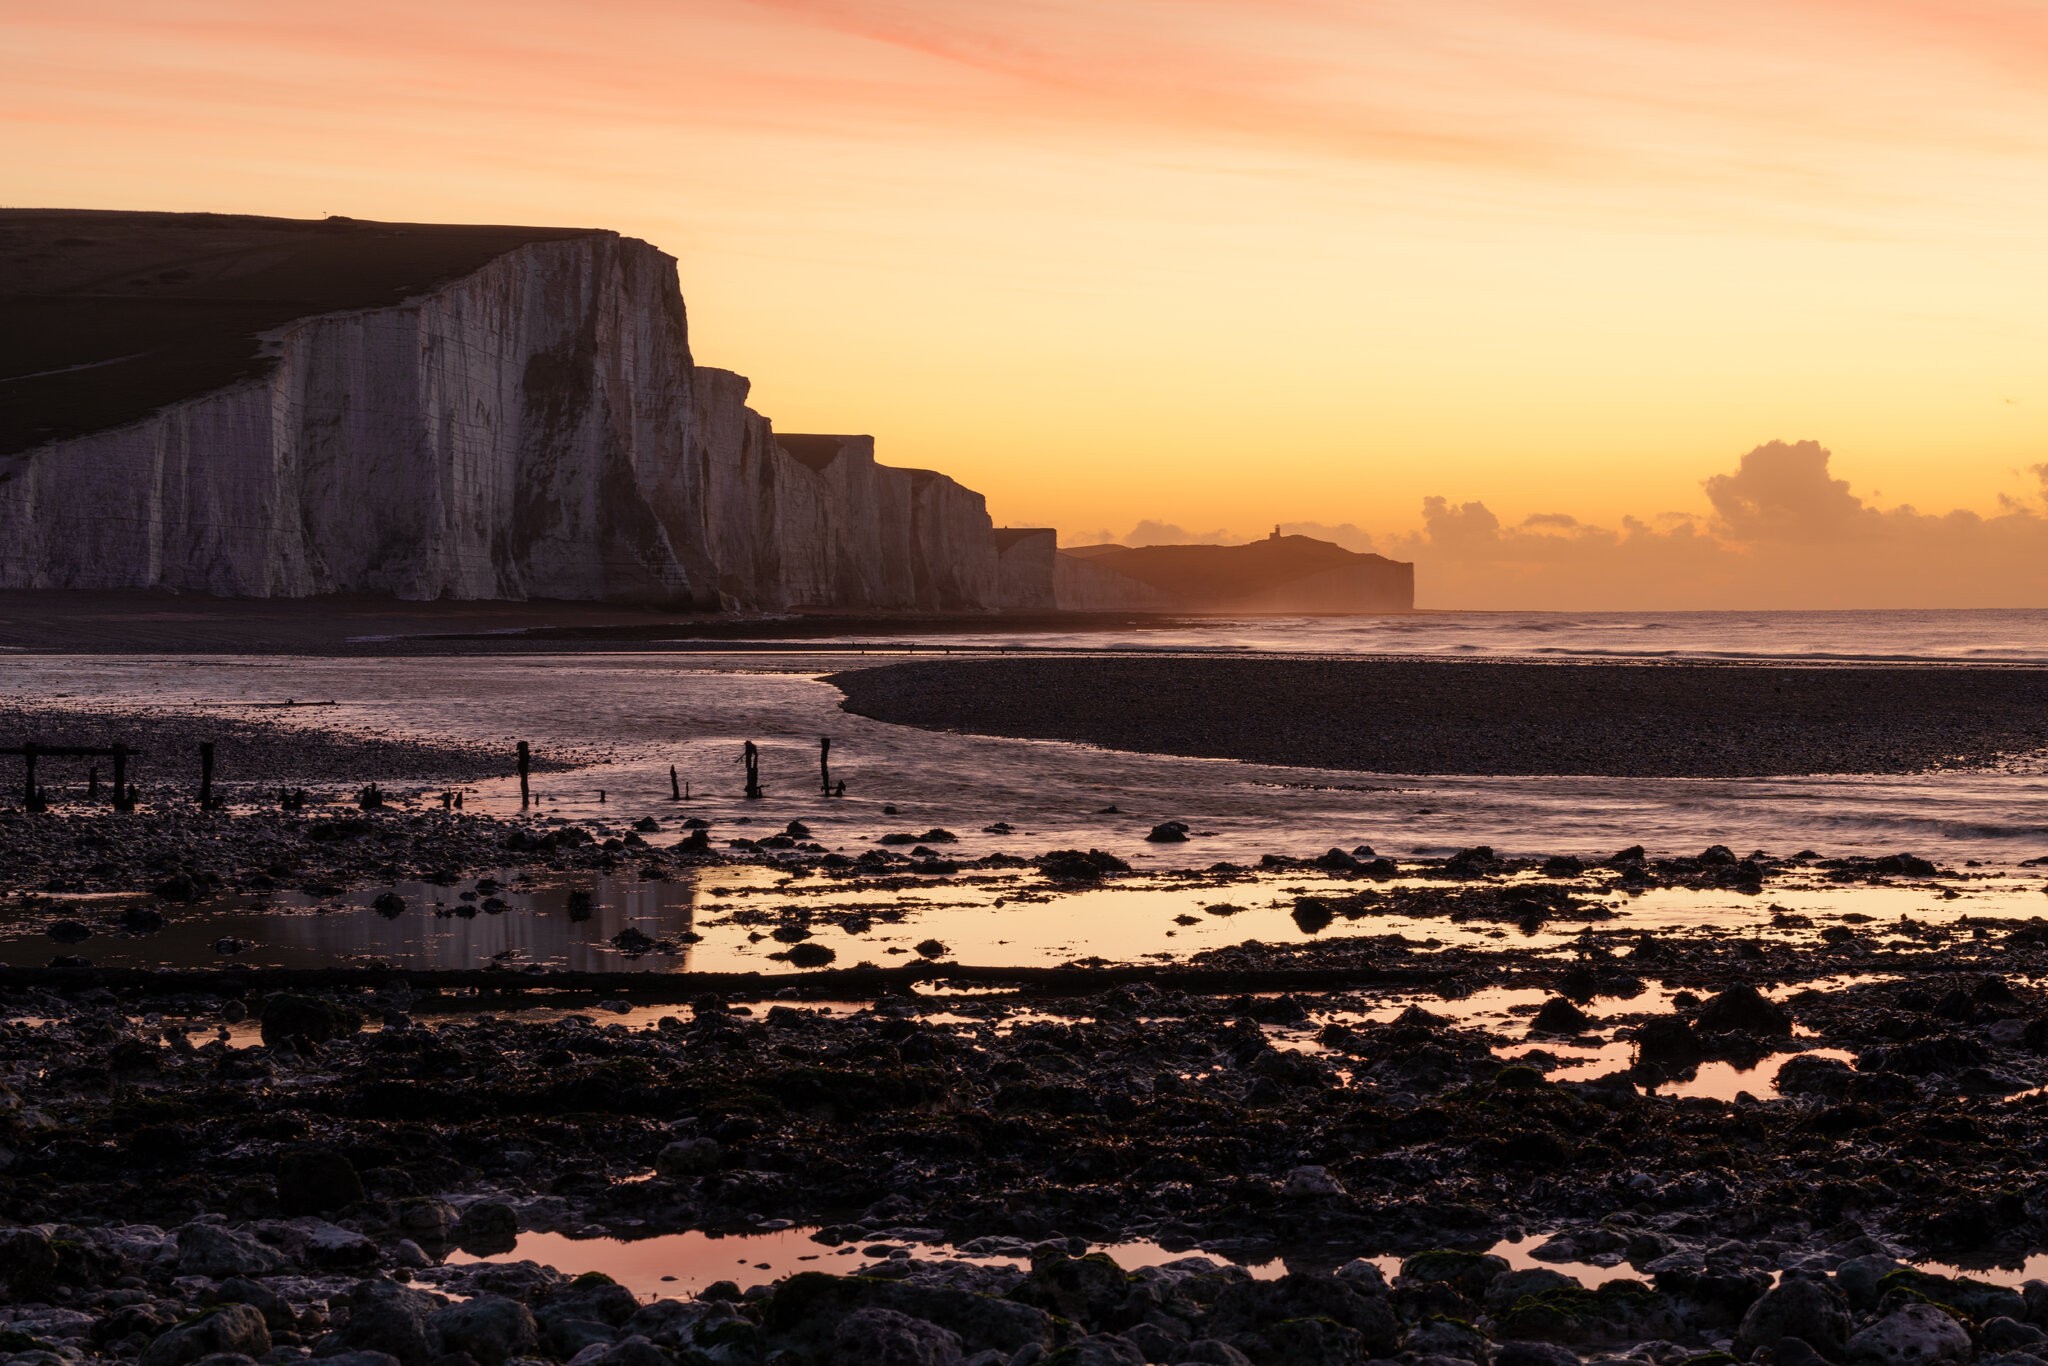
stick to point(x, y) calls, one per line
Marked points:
point(1100, 1349)
point(1446, 1337)
point(1913, 1335)
point(883, 1337)
point(1468, 1273)
point(1559, 1016)
point(428, 1221)
point(593, 1297)
point(806, 1309)
point(1246, 1308)
point(330, 1247)
point(211, 1250)
point(236, 1329)
point(2003, 1334)
point(1307, 1342)
point(489, 1328)
point(1534, 1354)
point(387, 1317)
point(633, 1351)
point(1090, 1291)
point(1668, 1044)
point(487, 1228)
point(1613, 1313)
point(1806, 1307)
point(275, 1308)
point(1742, 1009)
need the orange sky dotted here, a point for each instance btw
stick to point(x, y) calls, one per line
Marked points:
point(1220, 263)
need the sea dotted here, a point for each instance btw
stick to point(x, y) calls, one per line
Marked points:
point(624, 719)
point(630, 716)
point(1989, 636)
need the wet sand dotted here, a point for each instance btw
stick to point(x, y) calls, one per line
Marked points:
point(1485, 718)
point(303, 746)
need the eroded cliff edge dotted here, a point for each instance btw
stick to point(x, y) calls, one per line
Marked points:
point(533, 427)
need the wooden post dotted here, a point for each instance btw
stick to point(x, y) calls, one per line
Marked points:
point(28, 782)
point(825, 764)
point(525, 766)
point(206, 775)
point(675, 789)
point(92, 782)
point(751, 756)
point(122, 801)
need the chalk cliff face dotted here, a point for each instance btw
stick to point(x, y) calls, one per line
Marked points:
point(493, 439)
point(532, 429)
point(260, 407)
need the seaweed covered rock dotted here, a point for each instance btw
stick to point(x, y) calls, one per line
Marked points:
point(1559, 1016)
point(1668, 1045)
point(1614, 1312)
point(1742, 1009)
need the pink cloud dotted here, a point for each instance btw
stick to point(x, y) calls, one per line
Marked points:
point(1784, 533)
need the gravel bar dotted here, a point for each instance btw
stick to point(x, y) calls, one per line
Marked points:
point(1492, 718)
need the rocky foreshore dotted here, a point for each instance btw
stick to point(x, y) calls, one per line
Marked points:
point(1676, 1149)
point(181, 1191)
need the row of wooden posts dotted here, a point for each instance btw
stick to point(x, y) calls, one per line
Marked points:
point(32, 798)
point(750, 755)
point(125, 795)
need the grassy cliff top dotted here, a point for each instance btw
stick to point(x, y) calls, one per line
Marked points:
point(106, 317)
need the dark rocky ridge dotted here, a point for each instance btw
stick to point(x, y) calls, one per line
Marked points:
point(1280, 574)
point(1416, 716)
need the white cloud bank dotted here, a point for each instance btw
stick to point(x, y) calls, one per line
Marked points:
point(1780, 532)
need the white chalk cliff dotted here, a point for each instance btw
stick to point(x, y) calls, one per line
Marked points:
point(533, 429)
